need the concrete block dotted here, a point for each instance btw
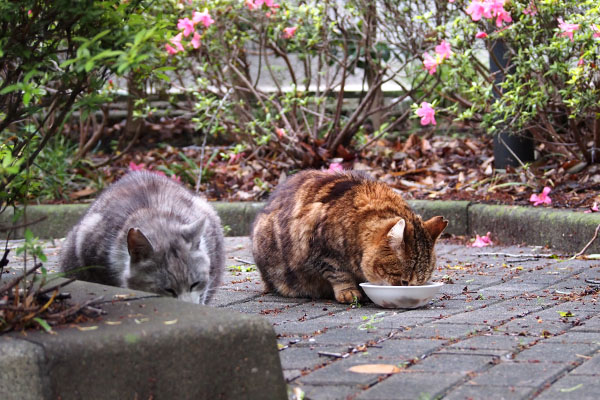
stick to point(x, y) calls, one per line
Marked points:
point(22, 377)
point(156, 347)
point(567, 231)
point(454, 211)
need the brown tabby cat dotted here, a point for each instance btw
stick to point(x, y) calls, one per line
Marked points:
point(322, 233)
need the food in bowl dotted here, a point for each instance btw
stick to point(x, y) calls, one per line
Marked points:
point(401, 296)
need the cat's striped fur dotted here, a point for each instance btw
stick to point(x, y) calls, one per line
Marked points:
point(148, 232)
point(322, 233)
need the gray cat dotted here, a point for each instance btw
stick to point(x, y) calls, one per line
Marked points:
point(149, 233)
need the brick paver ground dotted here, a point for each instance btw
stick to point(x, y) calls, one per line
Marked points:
point(502, 328)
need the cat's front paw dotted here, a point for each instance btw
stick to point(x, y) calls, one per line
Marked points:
point(348, 295)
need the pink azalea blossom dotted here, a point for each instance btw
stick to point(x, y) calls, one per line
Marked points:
point(430, 63)
point(543, 198)
point(427, 114)
point(251, 4)
point(170, 49)
point(481, 35)
point(482, 241)
point(203, 17)
point(567, 29)
point(176, 41)
point(335, 166)
point(478, 9)
point(136, 167)
point(289, 32)
point(502, 16)
point(196, 40)
point(443, 50)
point(597, 29)
point(592, 209)
point(187, 25)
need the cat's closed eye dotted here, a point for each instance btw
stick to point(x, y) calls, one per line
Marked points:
point(171, 292)
point(197, 285)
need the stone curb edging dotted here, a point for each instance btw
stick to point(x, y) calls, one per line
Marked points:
point(144, 347)
point(566, 231)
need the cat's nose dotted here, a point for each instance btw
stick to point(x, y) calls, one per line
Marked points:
point(404, 283)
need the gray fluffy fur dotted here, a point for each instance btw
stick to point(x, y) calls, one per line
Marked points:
point(149, 233)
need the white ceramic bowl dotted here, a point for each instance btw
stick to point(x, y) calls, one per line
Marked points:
point(401, 296)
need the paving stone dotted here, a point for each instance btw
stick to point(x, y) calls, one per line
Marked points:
point(441, 330)
point(223, 297)
point(575, 387)
point(493, 342)
point(556, 352)
point(576, 337)
point(337, 374)
point(329, 392)
point(409, 385)
point(349, 336)
point(470, 392)
point(454, 362)
point(589, 367)
point(519, 374)
point(403, 349)
point(305, 357)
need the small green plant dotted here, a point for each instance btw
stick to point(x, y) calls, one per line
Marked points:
point(242, 268)
point(355, 303)
point(371, 320)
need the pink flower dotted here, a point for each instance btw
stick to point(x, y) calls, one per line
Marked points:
point(482, 241)
point(592, 209)
point(187, 25)
point(289, 32)
point(251, 5)
point(136, 167)
point(170, 49)
point(450, 1)
point(443, 50)
point(176, 41)
point(176, 178)
point(280, 132)
point(543, 198)
point(481, 35)
point(427, 114)
point(597, 29)
point(478, 9)
point(502, 16)
point(196, 40)
point(567, 29)
point(430, 63)
point(335, 166)
point(203, 17)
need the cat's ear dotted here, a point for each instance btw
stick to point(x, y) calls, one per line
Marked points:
point(194, 229)
point(396, 234)
point(435, 226)
point(138, 245)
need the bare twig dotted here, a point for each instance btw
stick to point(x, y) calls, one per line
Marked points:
point(587, 245)
point(23, 225)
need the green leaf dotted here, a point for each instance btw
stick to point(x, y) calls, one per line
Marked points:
point(566, 314)
point(43, 324)
point(11, 88)
point(28, 235)
point(571, 389)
